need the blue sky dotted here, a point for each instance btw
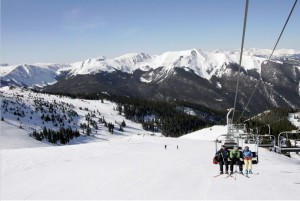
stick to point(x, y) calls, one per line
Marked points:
point(63, 31)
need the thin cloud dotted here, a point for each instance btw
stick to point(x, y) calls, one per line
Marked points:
point(78, 19)
point(73, 13)
point(130, 32)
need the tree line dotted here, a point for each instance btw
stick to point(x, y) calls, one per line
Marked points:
point(276, 118)
point(154, 115)
point(62, 136)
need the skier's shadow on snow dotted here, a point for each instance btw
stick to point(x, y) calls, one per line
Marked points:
point(100, 138)
point(130, 127)
point(87, 139)
point(119, 133)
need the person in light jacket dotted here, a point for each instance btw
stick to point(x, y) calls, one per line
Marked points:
point(247, 156)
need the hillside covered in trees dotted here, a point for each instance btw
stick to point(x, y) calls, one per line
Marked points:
point(172, 118)
point(276, 118)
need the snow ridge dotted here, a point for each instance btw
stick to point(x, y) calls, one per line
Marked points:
point(30, 75)
point(204, 64)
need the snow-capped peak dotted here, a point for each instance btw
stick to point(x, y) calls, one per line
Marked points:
point(29, 75)
point(205, 64)
point(135, 57)
point(266, 53)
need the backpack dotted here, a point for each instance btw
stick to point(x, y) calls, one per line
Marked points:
point(215, 161)
point(218, 156)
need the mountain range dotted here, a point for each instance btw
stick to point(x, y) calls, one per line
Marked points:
point(206, 78)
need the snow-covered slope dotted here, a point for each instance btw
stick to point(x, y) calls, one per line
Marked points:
point(22, 111)
point(140, 167)
point(126, 165)
point(294, 118)
point(12, 137)
point(207, 133)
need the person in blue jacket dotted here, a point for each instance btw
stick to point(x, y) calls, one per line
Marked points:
point(222, 157)
point(247, 156)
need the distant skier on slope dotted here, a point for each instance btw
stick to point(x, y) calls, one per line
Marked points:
point(222, 157)
point(247, 155)
point(234, 157)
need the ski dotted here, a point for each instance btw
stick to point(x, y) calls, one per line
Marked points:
point(254, 173)
point(245, 175)
point(236, 173)
point(229, 176)
point(218, 175)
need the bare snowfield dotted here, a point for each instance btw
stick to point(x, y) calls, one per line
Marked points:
point(138, 167)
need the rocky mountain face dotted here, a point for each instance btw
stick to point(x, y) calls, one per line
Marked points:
point(207, 78)
point(278, 86)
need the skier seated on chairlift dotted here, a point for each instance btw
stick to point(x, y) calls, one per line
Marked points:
point(222, 157)
point(235, 157)
point(247, 155)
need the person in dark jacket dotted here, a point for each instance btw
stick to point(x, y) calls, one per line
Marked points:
point(222, 157)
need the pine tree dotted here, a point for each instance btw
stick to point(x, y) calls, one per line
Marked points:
point(121, 128)
point(123, 124)
point(88, 130)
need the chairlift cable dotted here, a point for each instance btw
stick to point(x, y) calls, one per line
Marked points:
point(241, 56)
point(283, 28)
point(270, 57)
point(272, 122)
point(249, 100)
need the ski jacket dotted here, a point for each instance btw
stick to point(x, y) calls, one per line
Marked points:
point(235, 154)
point(247, 154)
point(222, 155)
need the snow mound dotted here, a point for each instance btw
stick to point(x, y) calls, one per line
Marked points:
point(207, 133)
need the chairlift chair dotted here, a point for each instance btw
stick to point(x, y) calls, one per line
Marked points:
point(237, 136)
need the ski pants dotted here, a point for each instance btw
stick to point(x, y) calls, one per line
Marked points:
point(221, 163)
point(248, 164)
point(237, 162)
